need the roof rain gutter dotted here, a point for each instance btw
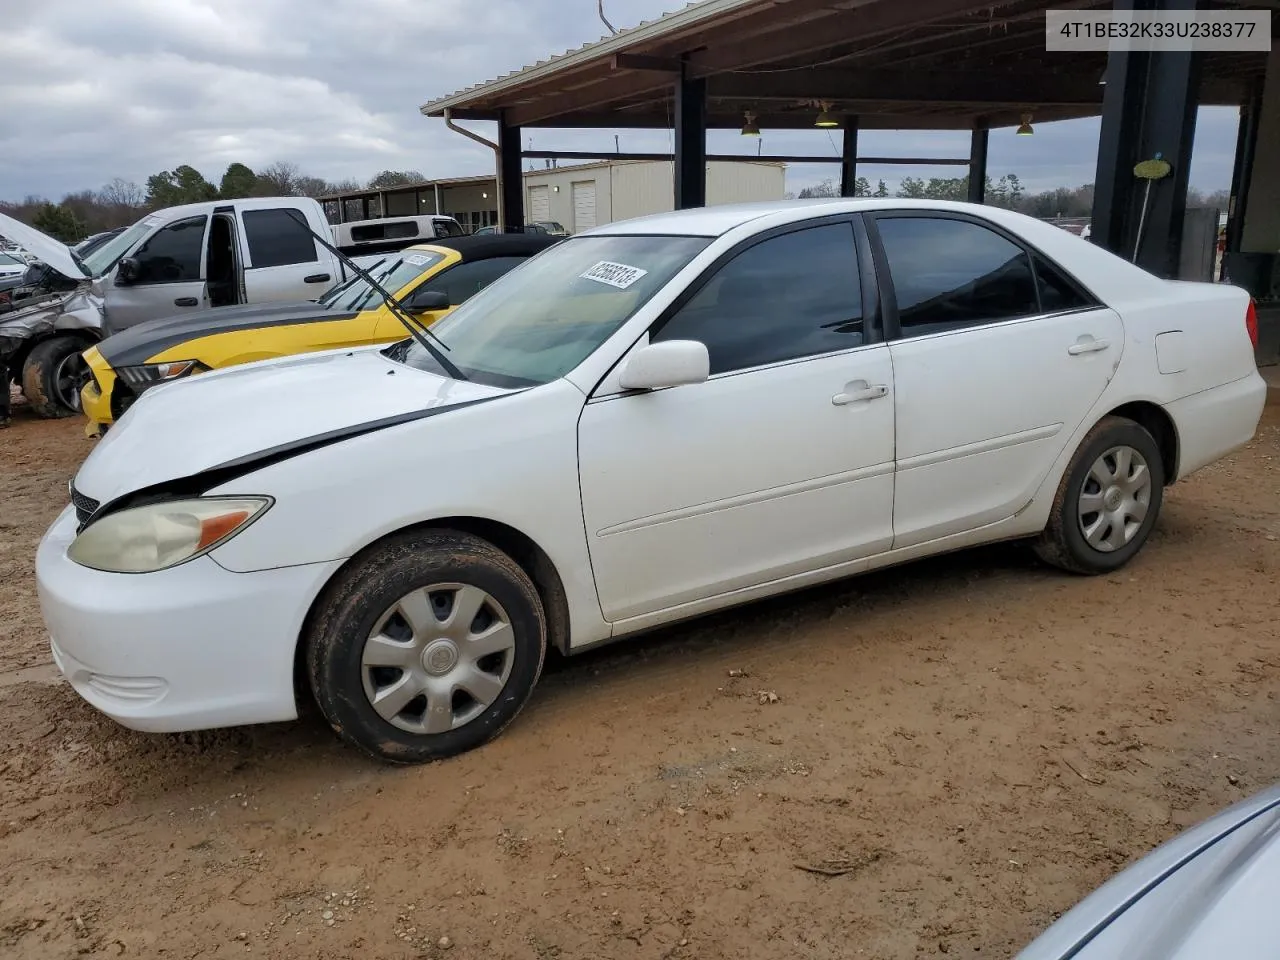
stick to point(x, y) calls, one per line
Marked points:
point(497, 163)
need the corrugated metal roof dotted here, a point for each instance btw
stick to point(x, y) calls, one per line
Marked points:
point(646, 31)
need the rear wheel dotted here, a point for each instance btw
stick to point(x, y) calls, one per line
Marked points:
point(1108, 500)
point(52, 377)
point(426, 647)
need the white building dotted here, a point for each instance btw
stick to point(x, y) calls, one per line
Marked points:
point(578, 197)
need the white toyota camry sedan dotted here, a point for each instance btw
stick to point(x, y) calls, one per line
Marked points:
point(649, 421)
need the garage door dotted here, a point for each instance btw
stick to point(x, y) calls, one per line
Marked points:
point(584, 205)
point(539, 203)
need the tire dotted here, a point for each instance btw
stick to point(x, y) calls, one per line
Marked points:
point(1082, 540)
point(52, 376)
point(363, 647)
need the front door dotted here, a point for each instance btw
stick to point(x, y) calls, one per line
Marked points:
point(779, 464)
point(999, 358)
point(170, 277)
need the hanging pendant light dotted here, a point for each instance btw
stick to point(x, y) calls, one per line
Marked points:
point(750, 128)
point(825, 119)
point(1025, 129)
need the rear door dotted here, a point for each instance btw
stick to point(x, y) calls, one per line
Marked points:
point(282, 259)
point(170, 278)
point(998, 356)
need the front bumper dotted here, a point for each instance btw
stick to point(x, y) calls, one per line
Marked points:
point(95, 395)
point(189, 648)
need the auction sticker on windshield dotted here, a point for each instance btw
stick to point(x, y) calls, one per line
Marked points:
point(614, 274)
point(416, 259)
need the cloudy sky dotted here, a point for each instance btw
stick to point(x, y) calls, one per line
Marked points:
point(95, 89)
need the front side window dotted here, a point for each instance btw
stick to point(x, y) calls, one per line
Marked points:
point(174, 253)
point(949, 274)
point(791, 296)
point(278, 237)
point(462, 281)
point(448, 228)
point(538, 322)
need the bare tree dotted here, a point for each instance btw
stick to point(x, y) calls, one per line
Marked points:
point(280, 179)
point(121, 193)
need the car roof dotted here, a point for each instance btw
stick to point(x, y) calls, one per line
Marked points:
point(487, 245)
point(718, 220)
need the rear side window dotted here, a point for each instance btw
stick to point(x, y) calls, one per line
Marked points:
point(173, 254)
point(395, 230)
point(1058, 293)
point(949, 274)
point(464, 280)
point(277, 239)
point(791, 296)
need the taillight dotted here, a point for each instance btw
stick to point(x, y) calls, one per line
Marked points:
point(1251, 323)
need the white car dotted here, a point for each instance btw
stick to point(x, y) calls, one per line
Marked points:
point(12, 266)
point(648, 421)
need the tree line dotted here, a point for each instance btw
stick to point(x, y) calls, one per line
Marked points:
point(1007, 192)
point(121, 202)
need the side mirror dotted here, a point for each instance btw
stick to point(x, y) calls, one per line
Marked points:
point(126, 271)
point(424, 301)
point(671, 363)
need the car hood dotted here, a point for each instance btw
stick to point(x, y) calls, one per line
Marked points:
point(138, 344)
point(213, 426)
point(1207, 894)
point(53, 252)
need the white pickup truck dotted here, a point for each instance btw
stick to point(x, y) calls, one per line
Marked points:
point(187, 258)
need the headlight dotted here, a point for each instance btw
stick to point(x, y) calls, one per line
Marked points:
point(149, 374)
point(163, 535)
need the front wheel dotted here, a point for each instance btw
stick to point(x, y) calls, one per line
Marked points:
point(53, 375)
point(426, 647)
point(1107, 502)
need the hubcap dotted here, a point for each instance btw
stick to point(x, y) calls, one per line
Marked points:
point(438, 658)
point(1114, 499)
point(69, 376)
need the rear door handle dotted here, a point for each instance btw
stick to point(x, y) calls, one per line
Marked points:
point(186, 302)
point(317, 278)
point(1087, 344)
point(858, 391)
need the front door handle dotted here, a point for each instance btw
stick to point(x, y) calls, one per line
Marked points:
point(1087, 344)
point(186, 302)
point(858, 391)
point(317, 278)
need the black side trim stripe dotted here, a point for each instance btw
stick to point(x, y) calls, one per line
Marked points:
point(198, 484)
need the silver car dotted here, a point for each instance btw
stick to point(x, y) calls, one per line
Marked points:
point(1211, 893)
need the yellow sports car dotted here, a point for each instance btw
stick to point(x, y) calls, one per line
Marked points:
point(428, 280)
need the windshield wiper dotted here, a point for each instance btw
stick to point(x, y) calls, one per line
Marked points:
point(417, 329)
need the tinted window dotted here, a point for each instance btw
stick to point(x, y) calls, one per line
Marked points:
point(277, 239)
point(1057, 293)
point(448, 228)
point(173, 254)
point(796, 295)
point(950, 273)
point(396, 230)
point(464, 280)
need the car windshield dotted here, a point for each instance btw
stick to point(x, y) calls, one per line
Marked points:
point(392, 274)
point(99, 261)
point(546, 316)
point(8, 260)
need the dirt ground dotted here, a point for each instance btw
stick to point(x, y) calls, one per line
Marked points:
point(978, 740)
